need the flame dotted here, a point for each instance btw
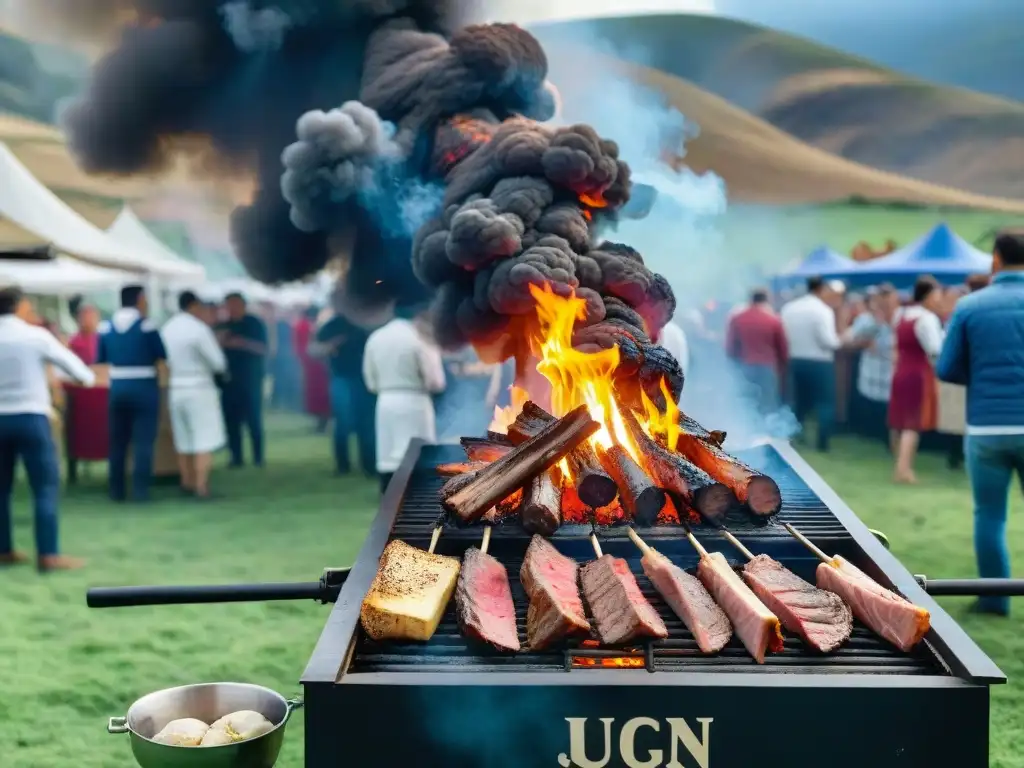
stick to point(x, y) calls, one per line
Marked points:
point(504, 417)
point(594, 201)
point(620, 662)
point(578, 378)
point(661, 423)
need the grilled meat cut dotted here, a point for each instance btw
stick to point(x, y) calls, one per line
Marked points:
point(820, 618)
point(409, 594)
point(690, 601)
point(759, 492)
point(556, 609)
point(483, 599)
point(619, 608)
point(756, 626)
point(893, 617)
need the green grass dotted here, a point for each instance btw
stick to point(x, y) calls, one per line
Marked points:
point(65, 669)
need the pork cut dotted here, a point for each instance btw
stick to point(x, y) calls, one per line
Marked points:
point(483, 600)
point(820, 618)
point(756, 626)
point(556, 608)
point(690, 601)
point(619, 608)
point(893, 617)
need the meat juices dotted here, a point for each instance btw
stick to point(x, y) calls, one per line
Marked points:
point(484, 601)
point(619, 608)
point(556, 609)
point(896, 619)
point(821, 618)
point(755, 625)
point(690, 601)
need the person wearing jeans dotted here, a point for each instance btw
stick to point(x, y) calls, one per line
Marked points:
point(244, 339)
point(810, 326)
point(984, 350)
point(25, 432)
point(341, 343)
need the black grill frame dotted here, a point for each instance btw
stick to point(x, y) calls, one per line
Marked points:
point(339, 702)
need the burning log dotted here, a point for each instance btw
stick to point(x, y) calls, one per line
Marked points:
point(691, 485)
point(456, 468)
point(504, 508)
point(485, 449)
point(516, 468)
point(593, 484)
point(541, 511)
point(692, 428)
point(759, 492)
point(642, 499)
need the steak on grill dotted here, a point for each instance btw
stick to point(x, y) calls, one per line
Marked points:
point(690, 601)
point(896, 619)
point(821, 618)
point(755, 625)
point(619, 608)
point(556, 609)
point(483, 599)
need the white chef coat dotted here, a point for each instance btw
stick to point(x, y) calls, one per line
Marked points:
point(674, 340)
point(403, 369)
point(810, 326)
point(193, 358)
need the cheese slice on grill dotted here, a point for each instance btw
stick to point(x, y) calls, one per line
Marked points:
point(409, 594)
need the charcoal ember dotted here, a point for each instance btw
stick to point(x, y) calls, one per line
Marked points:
point(660, 366)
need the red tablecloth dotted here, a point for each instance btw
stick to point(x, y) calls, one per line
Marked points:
point(85, 423)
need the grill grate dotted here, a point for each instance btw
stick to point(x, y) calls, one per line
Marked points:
point(801, 507)
point(449, 651)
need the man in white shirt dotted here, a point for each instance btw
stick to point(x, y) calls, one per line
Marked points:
point(404, 370)
point(195, 360)
point(810, 326)
point(25, 352)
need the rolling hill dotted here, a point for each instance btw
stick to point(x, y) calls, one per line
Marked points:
point(834, 101)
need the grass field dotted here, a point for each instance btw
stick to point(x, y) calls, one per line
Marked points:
point(66, 669)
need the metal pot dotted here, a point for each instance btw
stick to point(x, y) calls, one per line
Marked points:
point(206, 702)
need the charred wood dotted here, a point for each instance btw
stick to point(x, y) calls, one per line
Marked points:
point(484, 449)
point(541, 511)
point(593, 484)
point(515, 469)
point(689, 484)
point(641, 498)
point(459, 467)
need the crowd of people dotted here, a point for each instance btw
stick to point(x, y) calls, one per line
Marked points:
point(383, 387)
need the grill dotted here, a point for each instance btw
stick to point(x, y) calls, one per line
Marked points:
point(453, 703)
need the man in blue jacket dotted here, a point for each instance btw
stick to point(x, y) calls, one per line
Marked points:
point(984, 350)
point(130, 344)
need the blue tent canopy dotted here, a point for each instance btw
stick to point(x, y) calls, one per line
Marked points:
point(822, 261)
point(940, 253)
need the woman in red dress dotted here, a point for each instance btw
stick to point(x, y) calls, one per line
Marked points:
point(913, 402)
point(315, 381)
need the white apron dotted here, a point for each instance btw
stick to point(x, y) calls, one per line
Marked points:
point(402, 415)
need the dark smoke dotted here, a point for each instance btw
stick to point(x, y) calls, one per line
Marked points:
point(500, 202)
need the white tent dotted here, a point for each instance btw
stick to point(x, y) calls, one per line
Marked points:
point(133, 234)
point(61, 276)
point(28, 203)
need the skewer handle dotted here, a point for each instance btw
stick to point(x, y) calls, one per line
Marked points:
point(597, 545)
point(810, 545)
point(433, 539)
point(487, 540)
point(638, 541)
point(696, 544)
point(739, 545)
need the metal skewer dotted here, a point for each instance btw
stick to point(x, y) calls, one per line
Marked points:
point(738, 544)
point(644, 548)
point(810, 545)
point(487, 540)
